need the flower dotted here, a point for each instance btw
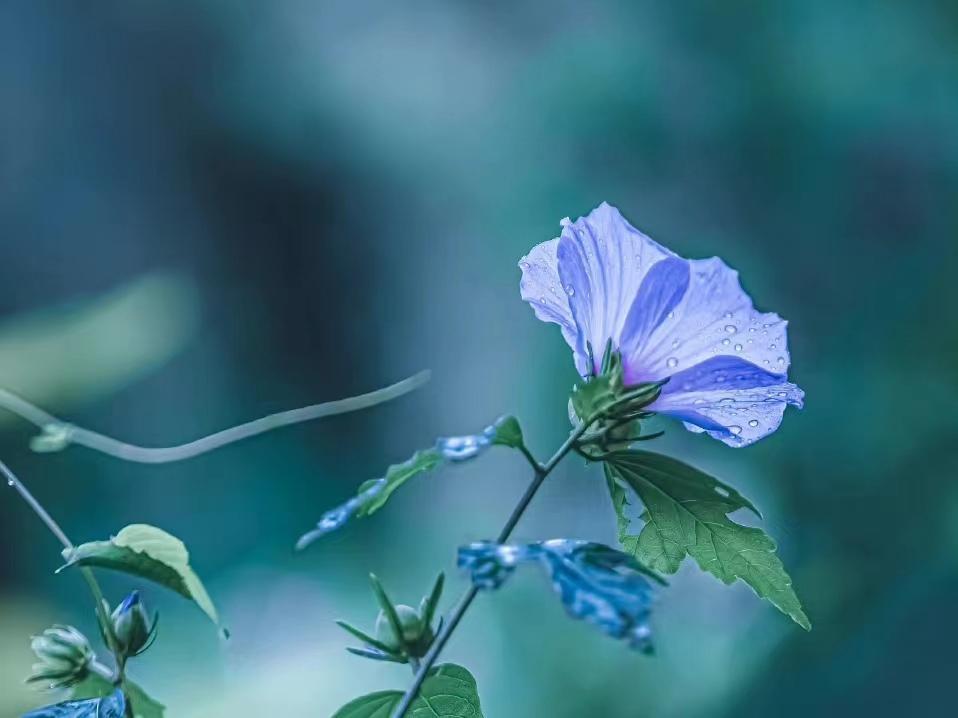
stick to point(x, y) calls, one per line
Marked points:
point(685, 320)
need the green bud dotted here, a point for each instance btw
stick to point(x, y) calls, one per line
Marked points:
point(131, 626)
point(409, 622)
point(64, 657)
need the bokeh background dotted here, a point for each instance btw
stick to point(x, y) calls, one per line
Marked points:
point(213, 210)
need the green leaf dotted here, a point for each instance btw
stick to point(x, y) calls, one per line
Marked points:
point(448, 692)
point(686, 513)
point(507, 432)
point(396, 476)
point(96, 686)
point(150, 553)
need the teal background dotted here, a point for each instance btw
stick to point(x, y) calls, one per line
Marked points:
point(210, 211)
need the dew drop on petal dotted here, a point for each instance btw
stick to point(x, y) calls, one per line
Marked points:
point(731, 328)
point(671, 362)
point(675, 343)
point(720, 378)
point(670, 315)
point(753, 423)
point(699, 401)
point(728, 315)
point(570, 290)
point(781, 360)
point(726, 342)
point(735, 429)
point(738, 347)
point(771, 346)
point(524, 264)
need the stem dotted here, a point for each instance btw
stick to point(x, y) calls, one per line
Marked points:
point(61, 536)
point(161, 455)
point(541, 471)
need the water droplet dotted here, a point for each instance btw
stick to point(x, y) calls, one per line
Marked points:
point(524, 264)
point(728, 315)
point(699, 401)
point(461, 448)
point(765, 361)
point(783, 394)
point(720, 378)
point(9, 482)
point(753, 423)
point(726, 342)
point(552, 289)
point(670, 315)
point(781, 360)
point(731, 328)
point(738, 347)
point(751, 329)
point(749, 341)
point(675, 343)
point(735, 429)
point(570, 290)
point(671, 362)
point(771, 346)
point(766, 326)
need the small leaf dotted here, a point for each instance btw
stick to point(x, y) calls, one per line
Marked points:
point(507, 432)
point(150, 553)
point(686, 513)
point(448, 692)
point(373, 494)
point(111, 706)
point(605, 587)
point(96, 686)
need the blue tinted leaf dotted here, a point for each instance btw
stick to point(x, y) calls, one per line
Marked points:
point(601, 585)
point(111, 706)
point(374, 494)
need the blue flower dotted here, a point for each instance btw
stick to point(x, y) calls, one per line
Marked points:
point(685, 320)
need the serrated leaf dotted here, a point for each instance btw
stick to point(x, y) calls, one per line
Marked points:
point(606, 587)
point(111, 706)
point(686, 513)
point(142, 705)
point(150, 553)
point(448, 692)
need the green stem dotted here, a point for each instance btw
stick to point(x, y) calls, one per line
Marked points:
point(160, 455)
point(541, 471)
point(61, 536)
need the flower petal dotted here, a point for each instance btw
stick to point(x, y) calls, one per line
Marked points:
point(541, 287)
point(715, 317)
point(602, 261)
point(729, 398)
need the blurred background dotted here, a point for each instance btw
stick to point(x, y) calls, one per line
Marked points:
point(210, 211)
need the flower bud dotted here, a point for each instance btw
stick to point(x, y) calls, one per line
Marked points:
point(131, 626)
point(64, 657)
point(409, 622)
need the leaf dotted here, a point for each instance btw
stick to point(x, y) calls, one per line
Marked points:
point(373, 494)
point(686, 513)
point(507, 432)
point(150, 553)
point(95, 686)
point(111, 706)
point(601, 585)
point(448, 692)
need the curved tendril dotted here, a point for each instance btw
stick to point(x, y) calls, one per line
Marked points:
point(67, 433)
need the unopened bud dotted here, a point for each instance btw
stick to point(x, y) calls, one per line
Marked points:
point(131, 626)
point(64, 657)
